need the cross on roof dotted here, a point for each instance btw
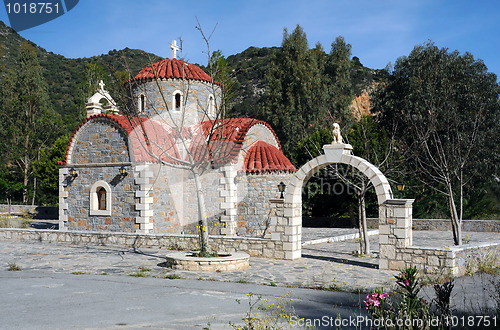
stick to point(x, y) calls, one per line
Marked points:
point(175, 48)
point(101, 85)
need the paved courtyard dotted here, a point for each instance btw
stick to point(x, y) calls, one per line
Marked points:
point(76, 286)
point(327, 265)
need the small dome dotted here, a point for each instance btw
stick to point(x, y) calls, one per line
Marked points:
point(172, 69)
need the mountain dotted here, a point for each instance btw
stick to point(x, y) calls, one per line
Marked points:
point(64, 75)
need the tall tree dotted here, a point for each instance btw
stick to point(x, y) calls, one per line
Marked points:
point(338, 71)
point(447, 111)
point(295, 102)
point(29, 123)
point(46, 170)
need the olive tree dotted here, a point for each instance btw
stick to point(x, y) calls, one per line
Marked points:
point(447, 110)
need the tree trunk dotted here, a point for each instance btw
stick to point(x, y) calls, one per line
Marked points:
point(202, 214)
point(25, 171)
point(25, 180)
point(364, 242)
point(35, 182)
point(456, 222)
point(360, 228)
point(365, 228)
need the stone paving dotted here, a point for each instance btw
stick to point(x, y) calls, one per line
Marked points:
point(327, 265)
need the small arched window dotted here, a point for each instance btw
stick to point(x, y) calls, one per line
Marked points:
point(100, 199)
point(141, 103)
point(177, 100)
point(104, 102)
point(211, 105)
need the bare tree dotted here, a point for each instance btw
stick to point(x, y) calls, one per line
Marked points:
point(173, 138)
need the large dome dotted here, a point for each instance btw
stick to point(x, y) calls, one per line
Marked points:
point(172, 69)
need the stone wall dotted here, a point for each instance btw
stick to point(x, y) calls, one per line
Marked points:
point(256, 247)
point(37, 212)
point(75, 199)
point(455, 260)
point(195, 95)
point(175, 202)
point(445, 225)
point(254, 207)
point(99, 141)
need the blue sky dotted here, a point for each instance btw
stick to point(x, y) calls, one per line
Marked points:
point(379, 31)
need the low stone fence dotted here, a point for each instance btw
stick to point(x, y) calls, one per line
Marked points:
point(255, 247)
point(455, 260)
point(38, 212)
point(445, 224)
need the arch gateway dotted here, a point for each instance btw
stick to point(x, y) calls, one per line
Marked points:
point(395, 215)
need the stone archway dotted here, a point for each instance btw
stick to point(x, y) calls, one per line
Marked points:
point(394, 214)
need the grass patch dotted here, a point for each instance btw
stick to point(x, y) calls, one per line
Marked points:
point(139, 274)
point(241, 280)
point(332, 287)
point(172, 277)
point(13, 267)
point(78, 273)
point(272, 284)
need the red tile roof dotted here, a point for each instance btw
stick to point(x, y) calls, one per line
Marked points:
point(262, 157)
point(172, 69)
point(150, 140)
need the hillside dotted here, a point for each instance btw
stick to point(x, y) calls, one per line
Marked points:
point(64, 75)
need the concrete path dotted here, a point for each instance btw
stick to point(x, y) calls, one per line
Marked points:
point(37, 300)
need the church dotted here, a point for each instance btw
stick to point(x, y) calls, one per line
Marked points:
point(143, 169)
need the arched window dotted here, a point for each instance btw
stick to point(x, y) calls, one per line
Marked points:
point(104, 102)
point(211, 105)
point(177, 100)
point(141, 103)
point(100, 198)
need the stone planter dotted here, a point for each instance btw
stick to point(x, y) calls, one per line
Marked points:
point(183, 260)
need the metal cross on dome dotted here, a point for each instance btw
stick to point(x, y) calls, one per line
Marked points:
point(175, 48)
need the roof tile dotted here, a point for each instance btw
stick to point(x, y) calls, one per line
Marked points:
point(262, 157)
point(172, 69)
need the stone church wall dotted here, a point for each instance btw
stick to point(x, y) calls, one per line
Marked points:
point(98, 151)
point(194, 96)
point(175, 203)
point(99, 142)
point(123, 212)
point(254, 208)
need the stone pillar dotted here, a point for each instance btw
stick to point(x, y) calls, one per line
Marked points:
point(229, 193)
point(395, 217)
point(143, 176)
point(286, 226)
point(63, 197)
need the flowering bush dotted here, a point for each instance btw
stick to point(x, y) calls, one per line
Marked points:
point(409, 307)
point(378, 304)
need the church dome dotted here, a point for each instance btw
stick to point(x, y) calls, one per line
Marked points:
point(172, 69)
